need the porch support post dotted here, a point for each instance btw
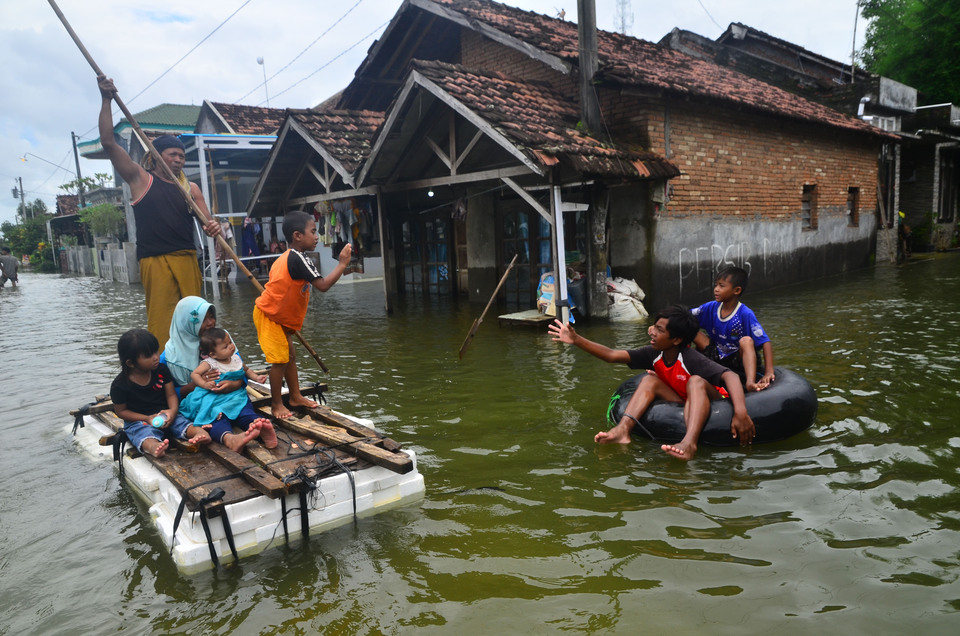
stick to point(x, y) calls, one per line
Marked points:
point(559, 253)
point(386, 253)
point(205, 186)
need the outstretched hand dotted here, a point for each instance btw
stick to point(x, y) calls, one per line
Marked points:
point(562, 332)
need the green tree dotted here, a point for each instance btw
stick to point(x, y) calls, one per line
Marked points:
point(916, 42)
point(36, 209)
point(105, 219)
point(26, 237)
point(98, 180)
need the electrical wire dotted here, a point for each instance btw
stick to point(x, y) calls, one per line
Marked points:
point(300, 54)
point(331, 61)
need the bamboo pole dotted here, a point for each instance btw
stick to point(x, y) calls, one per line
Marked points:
point(168, 174)
point(476, 323)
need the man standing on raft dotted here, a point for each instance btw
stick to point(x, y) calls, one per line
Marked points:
point(165, 225)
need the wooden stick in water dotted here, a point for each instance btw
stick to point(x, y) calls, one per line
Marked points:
point(476, 323)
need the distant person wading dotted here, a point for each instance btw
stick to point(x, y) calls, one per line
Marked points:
point(165, 225)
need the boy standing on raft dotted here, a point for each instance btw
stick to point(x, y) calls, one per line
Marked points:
point(733, 332)
point(680, 375)
point(281, 308)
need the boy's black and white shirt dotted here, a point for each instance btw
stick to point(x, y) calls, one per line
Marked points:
point(301, 267)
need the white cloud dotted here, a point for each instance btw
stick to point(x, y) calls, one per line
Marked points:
point(49, 89)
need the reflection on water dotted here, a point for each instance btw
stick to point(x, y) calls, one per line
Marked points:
point(527, 525)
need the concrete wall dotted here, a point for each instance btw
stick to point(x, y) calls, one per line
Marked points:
point(118, 263)
point(80, 260)
point(688, 253)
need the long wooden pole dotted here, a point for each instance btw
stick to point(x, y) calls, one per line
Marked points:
point(476, 323)
point(168, 174)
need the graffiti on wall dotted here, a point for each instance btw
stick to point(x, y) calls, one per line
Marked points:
point(698, 266)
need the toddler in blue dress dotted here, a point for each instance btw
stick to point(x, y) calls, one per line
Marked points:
point(223, 403)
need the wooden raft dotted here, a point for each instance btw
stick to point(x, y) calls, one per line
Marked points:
point(271, 472)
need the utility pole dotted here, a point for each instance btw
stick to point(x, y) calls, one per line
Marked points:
point(23, 202)
point(76, 158)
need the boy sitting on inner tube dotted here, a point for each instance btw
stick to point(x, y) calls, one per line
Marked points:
point(680, 374)
point(731, 332)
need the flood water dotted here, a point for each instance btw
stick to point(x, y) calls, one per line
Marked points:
point(527, 525)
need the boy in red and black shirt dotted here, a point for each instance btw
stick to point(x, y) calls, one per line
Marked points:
point(281, 308)
point(681, 374)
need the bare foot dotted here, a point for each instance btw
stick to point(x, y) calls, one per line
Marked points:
point(280, 411)
point(300, 400)
point(266, 431)
point(616, 435)
point(155, 447)
point(236, 441)
point(202, 437)
point(682, 450)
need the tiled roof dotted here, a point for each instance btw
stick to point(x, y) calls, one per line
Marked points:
point(67, 204)
point(250, 120)
point(628, 61)
point(346, 134)
point(540, 122)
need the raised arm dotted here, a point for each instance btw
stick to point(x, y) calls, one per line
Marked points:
point(127, 168)
point(566, 334)
point(326, 282)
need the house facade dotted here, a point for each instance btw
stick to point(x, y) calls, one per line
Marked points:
point(505, 132)
point(917, 168)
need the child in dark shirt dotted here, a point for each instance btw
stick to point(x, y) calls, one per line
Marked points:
point(143, 397)
point(680, 374)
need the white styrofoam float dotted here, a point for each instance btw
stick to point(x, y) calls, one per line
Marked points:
point(256, 523)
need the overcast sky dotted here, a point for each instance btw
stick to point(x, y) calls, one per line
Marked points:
point(310, 50)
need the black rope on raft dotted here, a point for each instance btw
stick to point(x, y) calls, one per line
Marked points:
point(84, 411)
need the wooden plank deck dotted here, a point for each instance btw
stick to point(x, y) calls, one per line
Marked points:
point(529, 318)
point(306, 448)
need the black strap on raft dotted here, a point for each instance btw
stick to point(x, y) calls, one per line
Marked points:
point(120, 440)
point(84, 411)
point(310, 485)
point(319, 392)
point(215, 495)
point(353, 484)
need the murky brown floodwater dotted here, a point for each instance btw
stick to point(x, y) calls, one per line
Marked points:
point(527, 526)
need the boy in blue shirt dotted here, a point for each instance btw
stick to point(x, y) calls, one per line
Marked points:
point(731, 332)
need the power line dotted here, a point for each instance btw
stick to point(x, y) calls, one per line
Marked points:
point(185, 55)
point(331, 61)
point(174, 65)
point(700, 2)
point(300, 54)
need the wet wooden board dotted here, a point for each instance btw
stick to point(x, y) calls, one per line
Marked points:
point(284, 460)
point(263, 481)
point(398, 462)
point(328, 416)
point(530, 318)
point(185, 470)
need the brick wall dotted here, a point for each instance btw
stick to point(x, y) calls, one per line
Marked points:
point(478, 52)
point(736, 163)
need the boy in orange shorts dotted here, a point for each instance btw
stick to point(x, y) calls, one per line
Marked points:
point(281, 308)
